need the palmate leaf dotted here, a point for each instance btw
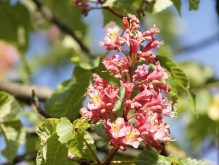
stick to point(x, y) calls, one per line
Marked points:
point(9, 107)
point(194, 4)
point(14, 134)
point(67, 99)
point(64, 130)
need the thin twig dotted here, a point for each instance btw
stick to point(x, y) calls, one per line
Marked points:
point(62, 26)
point(201, 44)
point(39, 108)
point(91, 150)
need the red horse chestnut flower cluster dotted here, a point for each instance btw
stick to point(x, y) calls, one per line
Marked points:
point(143, 105)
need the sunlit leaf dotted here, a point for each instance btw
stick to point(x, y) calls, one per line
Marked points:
point(14, 134)
point(9, 107)
point(78, 147)
point(81, 124)
point(194, 4)
point(189, 161)
point(47, 129)
point(67, 99)
point(56, 152)
point(64, 130)
point(161, 5)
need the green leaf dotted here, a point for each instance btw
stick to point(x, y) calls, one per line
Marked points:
point(177, 75)
point(78, 147)
point(56, 152)
point(64, 130)
point(177, 4)
point(189, 161)
point(100, 130)
point(16, 27)
point(194, 4)
point(32, 144)
point(67, 100)
point(14, 134)
point(81, 124)
point(192, 96)
point(150, 157)
point(91, 64)
point(9, 107)
point(47, 129)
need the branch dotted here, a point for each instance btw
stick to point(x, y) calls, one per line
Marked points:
point(25, 157)
point(24, 92)
point(48, 14)
point(206, 42)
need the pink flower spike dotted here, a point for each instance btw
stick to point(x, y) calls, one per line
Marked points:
point(152, 44)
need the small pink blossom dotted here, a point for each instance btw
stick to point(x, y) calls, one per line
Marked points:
point(158, 73)
point(154, 43)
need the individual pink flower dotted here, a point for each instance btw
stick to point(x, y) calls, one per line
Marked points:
point(111, 92)
point(112, 39)
point(151, 31)
point(128, 88)
point(160, 85)
point(112, 64)
point(158, 73)
point(152, 44)
point(116, 132)
point(141, 72)
point(132, 137)
point(94, 96)
point(99, 82)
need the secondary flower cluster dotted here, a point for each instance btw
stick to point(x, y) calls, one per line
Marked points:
point(143, 105)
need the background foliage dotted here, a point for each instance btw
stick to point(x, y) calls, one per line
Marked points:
point(67, 43)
